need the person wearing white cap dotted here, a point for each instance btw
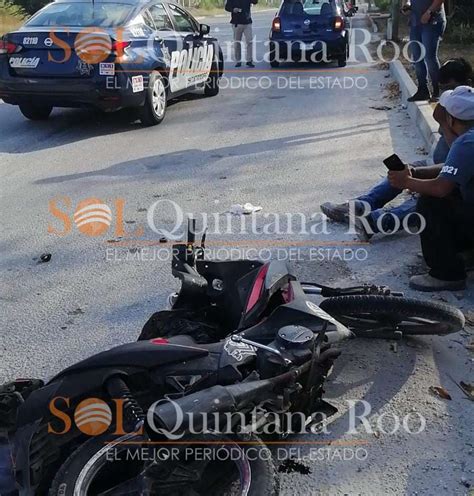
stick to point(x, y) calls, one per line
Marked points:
point(447, 201)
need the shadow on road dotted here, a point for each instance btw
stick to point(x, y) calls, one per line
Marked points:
point(67, 126)
point(170, 161)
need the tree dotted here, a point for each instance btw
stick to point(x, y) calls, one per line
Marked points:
point(29, 6)
point(461, 10)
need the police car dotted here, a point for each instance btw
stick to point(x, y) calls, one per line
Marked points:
point(108, 54)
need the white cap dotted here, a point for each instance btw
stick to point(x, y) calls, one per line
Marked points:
point(459, 102)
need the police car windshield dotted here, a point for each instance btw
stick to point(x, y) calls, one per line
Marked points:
point(310, 7)
point(82, 14)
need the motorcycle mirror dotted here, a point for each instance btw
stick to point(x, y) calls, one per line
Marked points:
point(191, 231)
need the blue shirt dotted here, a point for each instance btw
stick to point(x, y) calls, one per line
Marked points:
point(419, 7)
point(459, 166)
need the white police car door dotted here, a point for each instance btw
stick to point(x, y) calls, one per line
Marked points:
point(191, 62)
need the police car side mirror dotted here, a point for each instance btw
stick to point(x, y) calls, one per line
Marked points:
point(204, 29)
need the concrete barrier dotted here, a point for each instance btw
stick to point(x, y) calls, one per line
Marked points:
point(420, 112)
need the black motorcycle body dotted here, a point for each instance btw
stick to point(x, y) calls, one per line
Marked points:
point(174, 368)
point(243, 333)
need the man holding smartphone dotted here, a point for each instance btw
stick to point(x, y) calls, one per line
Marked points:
point(447, 199)
point(453, 73)
point(241, 20)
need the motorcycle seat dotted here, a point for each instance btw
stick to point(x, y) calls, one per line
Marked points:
point(183, 340)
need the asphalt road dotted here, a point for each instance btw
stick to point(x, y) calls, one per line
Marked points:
point(286, 147)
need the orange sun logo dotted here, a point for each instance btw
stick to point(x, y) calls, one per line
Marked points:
point(93, 46)
point(93, 416)
point(92, 217)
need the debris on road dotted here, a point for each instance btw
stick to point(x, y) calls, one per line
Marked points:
point(77, 311)
point(44, 258)
point(383, 66)
point(381, 107)
point(440, 392)
point(290, 466)
point(465, 482)
point(245, 209)
point(468, 389)
point(393, 90)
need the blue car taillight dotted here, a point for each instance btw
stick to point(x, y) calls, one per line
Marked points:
point(338, 23)
point(276, 25)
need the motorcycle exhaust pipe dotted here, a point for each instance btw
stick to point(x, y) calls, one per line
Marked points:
point(196, 408)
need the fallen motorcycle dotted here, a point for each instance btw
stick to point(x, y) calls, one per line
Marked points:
point(275, 366)
point(218, 298)
point(242, 338)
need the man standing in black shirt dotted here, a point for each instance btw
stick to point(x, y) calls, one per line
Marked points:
point(241, 21)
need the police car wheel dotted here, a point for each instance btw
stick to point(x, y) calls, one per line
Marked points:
point(211, 86)
point(154, 109)
point(35, 112)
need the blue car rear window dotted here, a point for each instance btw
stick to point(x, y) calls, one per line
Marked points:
point(82, 14)
point(309, 7)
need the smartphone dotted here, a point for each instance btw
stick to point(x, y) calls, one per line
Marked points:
point(394, 163)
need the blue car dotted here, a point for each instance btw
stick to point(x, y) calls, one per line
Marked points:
point(309, 31)
point(108, 54)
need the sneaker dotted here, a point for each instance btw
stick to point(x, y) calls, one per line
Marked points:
point(420, 96)
point(362, 233)
point(239, 64)
point(336, 211)
point(425, 282)
point(250, 64)
point(339, 212)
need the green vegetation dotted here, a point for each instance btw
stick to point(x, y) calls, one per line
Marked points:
point(460, 28)
point(28, 7)
point(11, 16)
point(461, 33)
point(383, 5)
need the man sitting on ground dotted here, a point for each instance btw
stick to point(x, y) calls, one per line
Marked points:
point(453, 73)
point(447, 199)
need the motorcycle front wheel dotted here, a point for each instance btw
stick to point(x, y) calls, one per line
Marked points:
point(204, 465)
point(382, 316)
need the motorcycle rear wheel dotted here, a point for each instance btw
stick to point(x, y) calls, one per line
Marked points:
point(382, 316)
point(89, 470)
